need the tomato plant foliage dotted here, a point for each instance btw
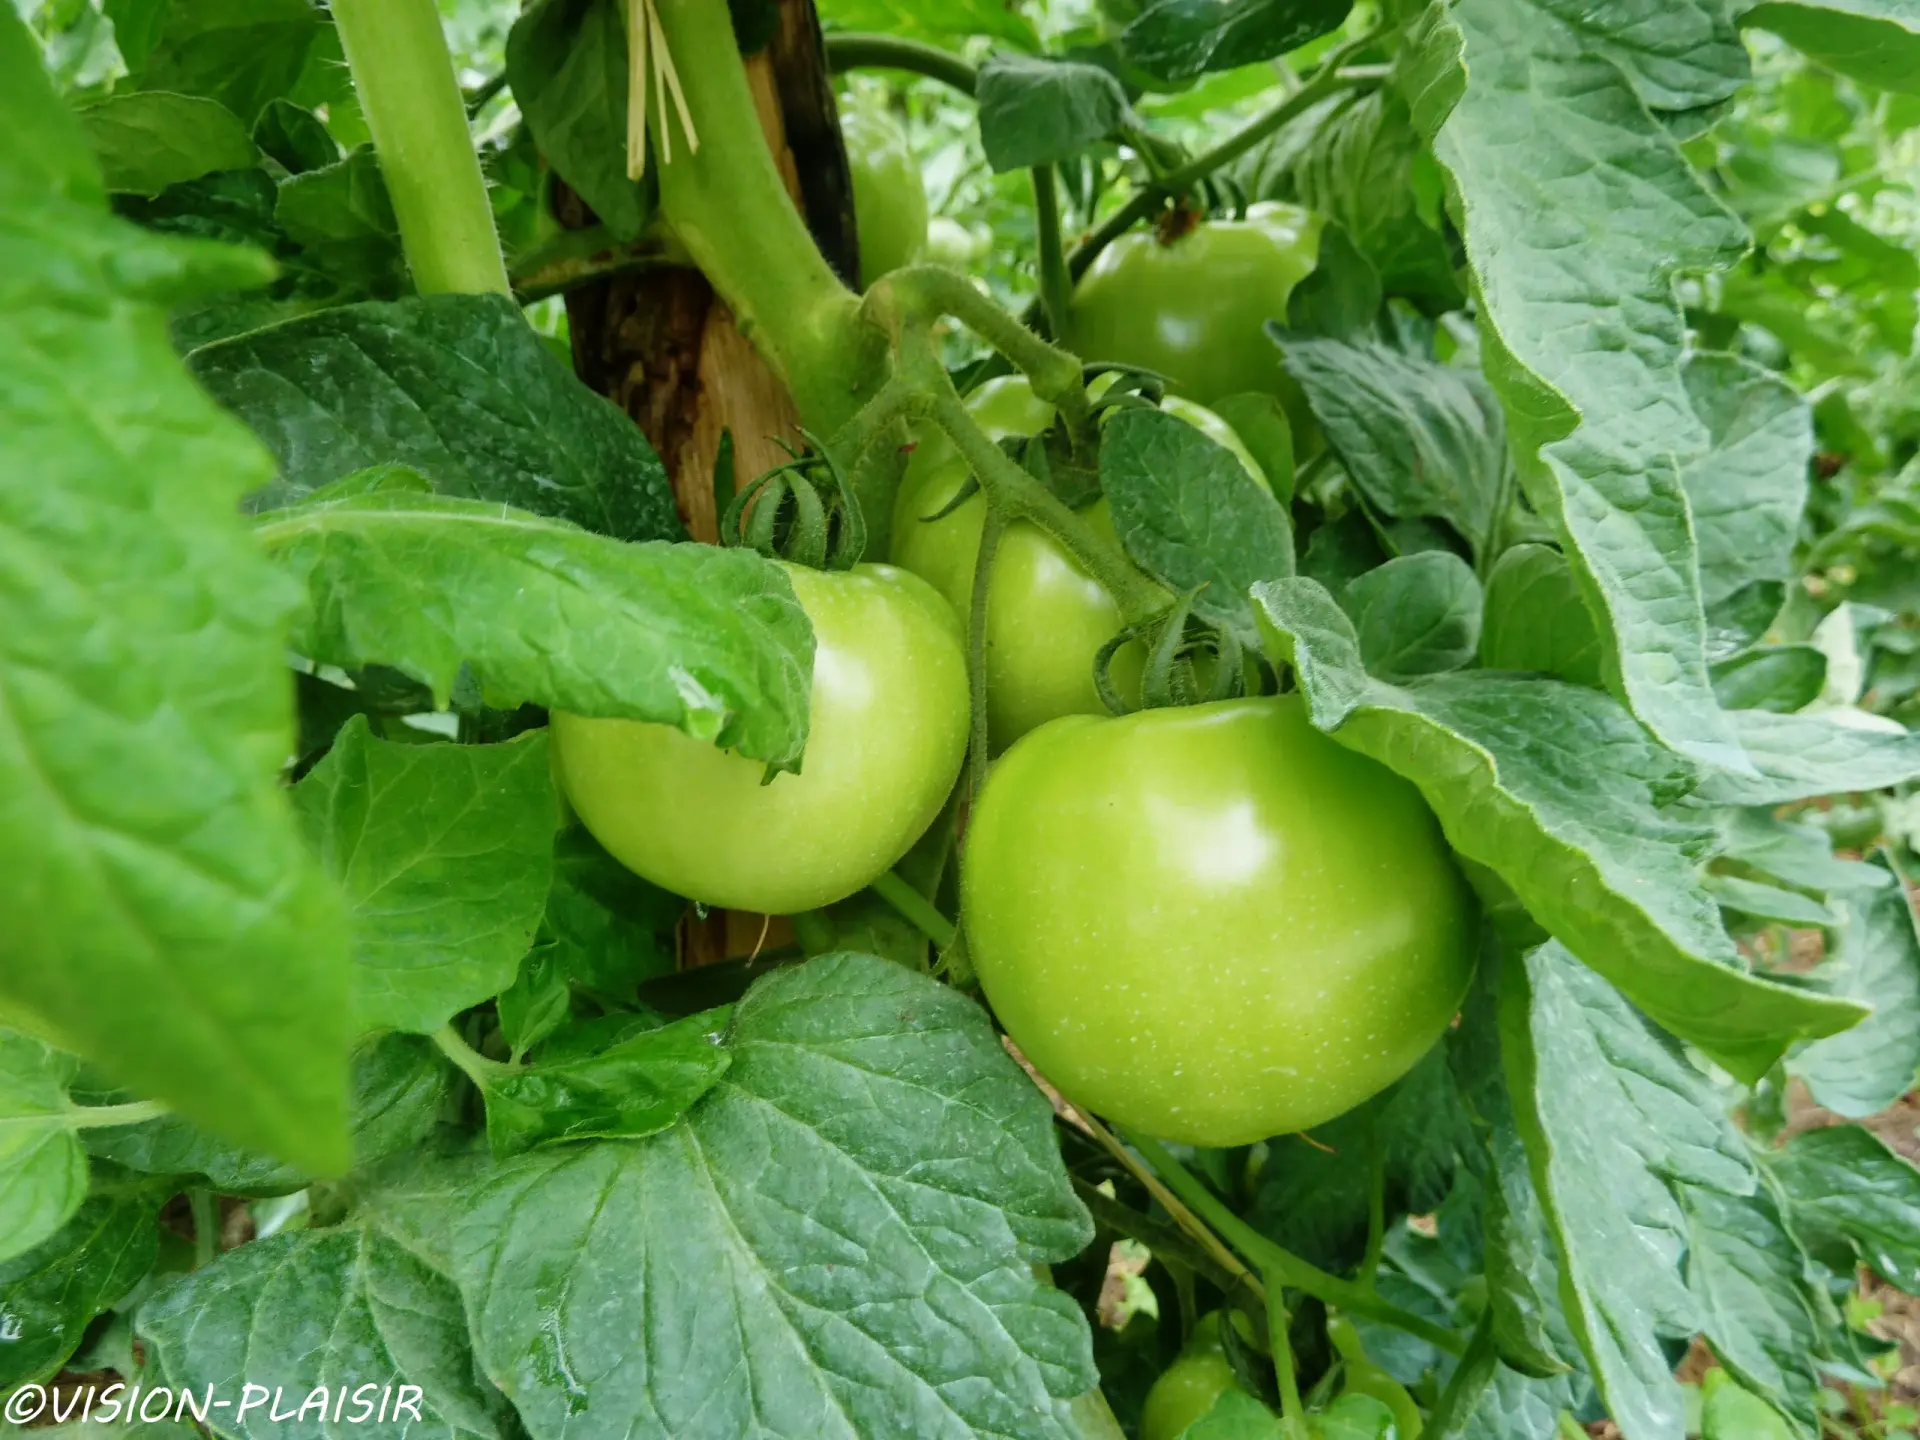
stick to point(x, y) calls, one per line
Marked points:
point(366, 704)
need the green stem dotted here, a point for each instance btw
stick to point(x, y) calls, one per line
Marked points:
point(916, 907)
point(729, 206)
point(476, 99)
point(1376, 1202)
point(886, 52)
point(921, 294)
point(991, 529)
point(1280, 1348)
point(100, 1117)
point(1281, 1266)
point(475, 1066)
point(405, 80)
point(1469, 1380)
point(1168, 1242)
point(205, 1208)
point(1055, 287)
point(579, 257)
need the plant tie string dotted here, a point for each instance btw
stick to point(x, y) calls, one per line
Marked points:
point(651, 64)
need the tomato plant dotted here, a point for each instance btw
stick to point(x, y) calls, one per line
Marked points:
point(508, 908)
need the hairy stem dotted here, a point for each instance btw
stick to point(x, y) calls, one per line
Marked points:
point(1055, 286)
point(887, 52)
point(917, 295)
point(1280, 1349)
point(475, 1066)
point(915, 907)
point(991, 529)
point(724, 198)
point(404, 77)
point(1281, 1266)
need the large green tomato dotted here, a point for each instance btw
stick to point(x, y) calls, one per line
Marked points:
point(889, 197)
point(1046, 617)
point(886, 738)
point(1194, 309)
point(1184, 1392)
point(1212, 923)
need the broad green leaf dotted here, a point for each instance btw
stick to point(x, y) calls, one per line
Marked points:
point(1313, 1189)
point(1261, 423)
point(162, 916)
point(242, 53)
point(1729, 1411)
point(1535, 619)
point(296, 138)
point(538, 1002)
point(1416, 615)
point(946, 20)
point(567, 66)
point(1514, 1407)
point(1876, 960)
point(1034, 111)
point(1557, 790)
point(707, 639)
point(146, 142)
point(1190, 515)
point(457, 387)
point(1234, 1415)
point(399, 1084)
point(1544, 137)
point(610, 929)
point(1678, 54)
point(1749, 488)
point(1418, 439)
point(1779, 678)
point(50, 1293)
point(637, 1087)
point(342, 217)
point(1598, 1092)
point(1180, 39)
point(1844, 1185)
point(1769, 902)
point(1355, 1417)
point(1793, 853)
point(847, 1222)
point(1799, 757)
point(445, 853)
point(43, 1170)
point(349, 1308)
point(1875, 41)
point(1341, 298)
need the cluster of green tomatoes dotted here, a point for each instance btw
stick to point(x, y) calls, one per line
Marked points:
point(1207, 923)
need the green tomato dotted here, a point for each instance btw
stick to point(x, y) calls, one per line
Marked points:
point(1363, 1377)
point(889, 197)
point(1046, 617)
point(1212, 923)
point(887, 733)
point(1194, 309)
point(1185, 1391)
point(951, 244)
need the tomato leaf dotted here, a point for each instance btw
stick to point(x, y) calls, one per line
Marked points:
point(1189, 514)
point(52, 1291)
point(1416, 615)
point(637, 1087)
point(445, 853)
point(162, 916)
point(1749, 488)
point(1876, 953)
point(1583, 342)
point(1780, 678)
point(1875, 41)
point(1846, 1187)
point(567, 67)
point(146, 142)
point(1557, 790)
point(1034, 111)
point(1799, 757)
point(934, 19)
point(707, 639)
point(43, 1169)
point(1599, 1091)
point(399, 1085)
point(296, 138)
point(872, 1172)
point(1418, 439)
point(457, 387)
point(343, 218)
point(1536, 620)
point(1179, 40)
point(352, 1308)
point(242, 53)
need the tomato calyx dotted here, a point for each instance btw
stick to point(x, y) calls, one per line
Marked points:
point(804, 511)
point(1190, 661)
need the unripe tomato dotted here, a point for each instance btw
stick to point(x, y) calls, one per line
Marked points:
point(1212, 923)
point(1363, 1377)
point(1184, 1392)
point(1046, 617)
point(887, 735)
point(889, 197)
point(1193, 308)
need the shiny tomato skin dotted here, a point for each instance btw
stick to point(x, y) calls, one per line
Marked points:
point(1046, 617)
point(1194, 309)
point(889, 195)
point(1184, 1392)
point(1212, 923)
point(887, 734)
